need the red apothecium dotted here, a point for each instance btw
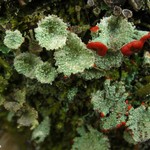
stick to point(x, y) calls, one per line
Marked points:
point(145, 37)
point(99, 47)
point(132, 47)
point(94, 29)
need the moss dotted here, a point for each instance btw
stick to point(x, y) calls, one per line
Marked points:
point(144, 91)
point(7, 70)
point(3, 84)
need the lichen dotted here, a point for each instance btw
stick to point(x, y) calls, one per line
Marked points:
point(74, 57)
point(13, 39)
point(138, 125)
point(51, 32)
point(45, 73)
point(91, 140)
point(25, 63)
point(41, 131)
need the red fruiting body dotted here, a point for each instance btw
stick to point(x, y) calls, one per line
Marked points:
point(65, 77)
point(94, 65)
point(132, 47)
point(129, 107)
point(102, 114)
point(99, 47)
point(118, 125)
point(143, 103)
point(127, 114)
point(145, 37)
point(136, 45)
point(123, 123)
point(94, 29)
point(127, 102)
point(126, 50)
